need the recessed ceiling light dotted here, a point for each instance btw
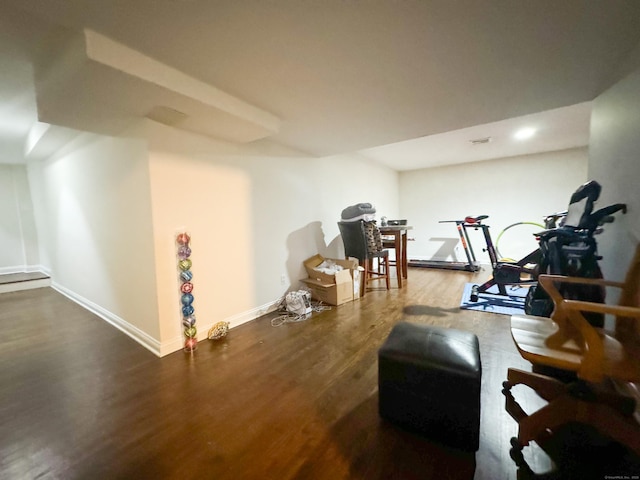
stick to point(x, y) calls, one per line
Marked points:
point(524, 133)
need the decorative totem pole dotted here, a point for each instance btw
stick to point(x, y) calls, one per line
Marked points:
point(186, 298)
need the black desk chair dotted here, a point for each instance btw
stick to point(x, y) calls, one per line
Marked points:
point(356, 245)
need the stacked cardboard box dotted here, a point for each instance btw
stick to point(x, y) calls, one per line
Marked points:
point(333, 289)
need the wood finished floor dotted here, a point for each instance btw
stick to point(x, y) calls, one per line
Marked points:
point(80, 400)
point(21, 277)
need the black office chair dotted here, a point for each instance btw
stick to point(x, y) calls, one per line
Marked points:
point(356, 245)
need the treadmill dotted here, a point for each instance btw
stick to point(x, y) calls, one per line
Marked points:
point(471, 265)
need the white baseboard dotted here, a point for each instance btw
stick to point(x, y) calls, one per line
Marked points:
point(23, 269)
point(203, 329)
point(154, 346)
point(12, 269)
point(125, 327)
point(38, 268)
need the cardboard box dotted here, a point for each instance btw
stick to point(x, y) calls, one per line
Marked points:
point(331, 294)
point(310, 265)
point(333, 289)
point(357, 274)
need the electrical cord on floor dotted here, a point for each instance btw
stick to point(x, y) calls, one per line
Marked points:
point(289, 317)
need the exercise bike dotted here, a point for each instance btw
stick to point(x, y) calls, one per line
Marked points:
point(566, 247)
point(523, 271)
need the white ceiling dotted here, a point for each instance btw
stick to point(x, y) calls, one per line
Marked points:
point(407, 83)
point(557, 129)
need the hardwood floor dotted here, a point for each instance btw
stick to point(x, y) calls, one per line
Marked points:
point(13, 282)
point(80, 400)
point(21, 277)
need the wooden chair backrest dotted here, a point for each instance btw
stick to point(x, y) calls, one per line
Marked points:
point(629, 328)
point(574, 344)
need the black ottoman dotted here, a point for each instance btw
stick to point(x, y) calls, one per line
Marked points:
point(429, 382)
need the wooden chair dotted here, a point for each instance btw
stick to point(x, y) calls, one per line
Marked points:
point(356, 245)
point(566, 341)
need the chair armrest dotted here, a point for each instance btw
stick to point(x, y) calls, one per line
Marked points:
point(568, 313)
point(548, 283)
point(618, 310)
point(591, 367)
point(548, 280)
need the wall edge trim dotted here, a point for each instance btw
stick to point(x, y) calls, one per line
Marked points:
point(177, 343)
point(125, 327)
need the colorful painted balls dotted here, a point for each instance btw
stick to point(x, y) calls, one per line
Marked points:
point(189, 320)
point(183, 239)
point(191, 343)
point(183, 252)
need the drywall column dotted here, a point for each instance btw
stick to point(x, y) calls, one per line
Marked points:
point(614, 161)
point(17, 228)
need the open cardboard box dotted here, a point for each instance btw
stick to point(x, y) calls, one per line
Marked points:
point(333, 289)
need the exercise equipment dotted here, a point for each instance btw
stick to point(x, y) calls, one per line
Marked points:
point(571, 249)
point(518, 272)
point(502, 257)
point(566, 247)
point(471, 265)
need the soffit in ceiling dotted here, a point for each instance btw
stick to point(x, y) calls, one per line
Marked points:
point(347, 76)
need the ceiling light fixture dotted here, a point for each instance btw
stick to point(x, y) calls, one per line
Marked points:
point(524, 133)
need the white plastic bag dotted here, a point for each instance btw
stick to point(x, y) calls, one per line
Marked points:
point(298, 303)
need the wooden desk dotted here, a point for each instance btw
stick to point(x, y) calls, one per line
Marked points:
point(399, 233)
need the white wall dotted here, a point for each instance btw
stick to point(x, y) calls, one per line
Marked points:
point(94, 223)
point(108, 210)
point(19, 252)
point(614, 161)
point(509, 190)
point(253, 215)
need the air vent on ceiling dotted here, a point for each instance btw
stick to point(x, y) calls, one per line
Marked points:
point(481, 141)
